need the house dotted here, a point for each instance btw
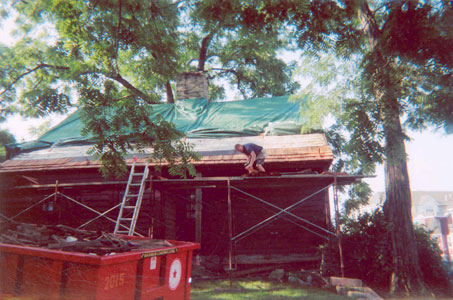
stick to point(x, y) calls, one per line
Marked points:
point(241, 220)
point(431, 210)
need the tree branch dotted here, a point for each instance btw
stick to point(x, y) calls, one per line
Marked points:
point(118, 37)
point(117, 77)
point(235, 73)
point(223, 71)
point(40, 66)
point(369, 24)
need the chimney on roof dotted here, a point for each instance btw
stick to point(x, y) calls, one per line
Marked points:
point(192, 85)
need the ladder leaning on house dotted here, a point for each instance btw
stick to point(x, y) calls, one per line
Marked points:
point(132, 201)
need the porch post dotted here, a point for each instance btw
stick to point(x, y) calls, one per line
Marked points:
point(337, 223)
point(198, 212)
point(230, 228)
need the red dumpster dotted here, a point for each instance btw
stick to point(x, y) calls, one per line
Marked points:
point(38, 273)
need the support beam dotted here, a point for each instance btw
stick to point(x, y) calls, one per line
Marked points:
point(198, 211)
point(327, 213)
point(230, 228)
point(337, 224)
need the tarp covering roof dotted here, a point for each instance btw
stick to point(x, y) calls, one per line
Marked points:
point(197, 118)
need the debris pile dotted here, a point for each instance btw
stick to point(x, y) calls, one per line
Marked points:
point(61, 237)
point(302, 277)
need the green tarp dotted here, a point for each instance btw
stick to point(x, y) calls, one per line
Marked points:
point(197, 118)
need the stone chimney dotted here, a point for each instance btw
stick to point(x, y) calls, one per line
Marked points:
point(192, 85)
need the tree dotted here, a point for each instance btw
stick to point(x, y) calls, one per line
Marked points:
point(406, 71)
point(110, 56)
point(5, 138)
point(37, 131)
point(245, 57)
point(96, 47)
point(405, 68)
point(404, 56)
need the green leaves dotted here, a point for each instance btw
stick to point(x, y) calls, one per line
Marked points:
point(113, 58)
point(108, 54)
point(5, 138)
point(227, 45)
point(367, 254)
point(122, 125)
point(39, 103)
point(251, 65)
point(30, 84)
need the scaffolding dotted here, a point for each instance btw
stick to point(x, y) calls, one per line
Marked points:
point(237, 184)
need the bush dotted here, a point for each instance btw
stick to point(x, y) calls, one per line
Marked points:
point(435, 273)
point(367, 253)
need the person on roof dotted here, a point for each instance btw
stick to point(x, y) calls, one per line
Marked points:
point(255, 154)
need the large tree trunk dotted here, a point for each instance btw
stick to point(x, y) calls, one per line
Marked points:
point(406, 277)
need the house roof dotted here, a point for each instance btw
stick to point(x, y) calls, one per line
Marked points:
point(196, 118)
point(289, 149)
point(212, 127)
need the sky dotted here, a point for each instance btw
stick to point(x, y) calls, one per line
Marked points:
point(430, 163)
point(430, 154)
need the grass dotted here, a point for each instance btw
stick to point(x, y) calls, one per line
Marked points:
point(257, 290)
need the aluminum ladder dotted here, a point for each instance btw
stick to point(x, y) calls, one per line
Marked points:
point(132, 201)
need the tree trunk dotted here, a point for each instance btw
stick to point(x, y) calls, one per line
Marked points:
point(204, 50)
point(406, 277)
point(170, 97)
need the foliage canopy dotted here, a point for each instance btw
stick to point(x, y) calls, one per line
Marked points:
point(105, 56)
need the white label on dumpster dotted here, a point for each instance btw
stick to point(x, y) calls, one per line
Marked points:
point(153, 263)
point(175, 274)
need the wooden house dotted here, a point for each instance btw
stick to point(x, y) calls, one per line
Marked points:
point(238, 219)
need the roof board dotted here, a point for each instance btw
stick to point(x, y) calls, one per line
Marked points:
point(293, 148)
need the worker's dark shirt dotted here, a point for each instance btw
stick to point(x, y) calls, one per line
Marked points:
point(249, 148)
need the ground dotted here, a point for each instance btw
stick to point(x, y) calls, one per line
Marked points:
point(257, 289)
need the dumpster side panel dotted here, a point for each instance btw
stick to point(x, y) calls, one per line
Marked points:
point(176, 276)
point(104, 282)
point(41, 278)
point(150, 273)
point(8, 272)
point(150, 279)
point(117, 281)
point(80, 281)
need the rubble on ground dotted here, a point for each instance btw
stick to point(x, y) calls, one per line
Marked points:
point(302, 277)
point(353, 288)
